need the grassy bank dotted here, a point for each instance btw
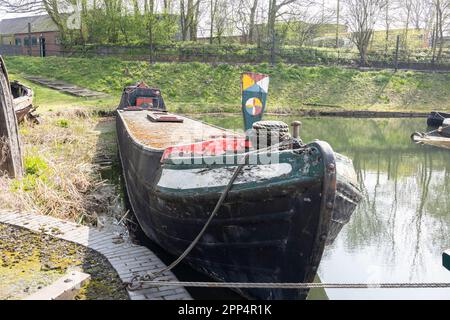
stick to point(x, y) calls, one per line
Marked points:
point(197, 87)
point(64, 159)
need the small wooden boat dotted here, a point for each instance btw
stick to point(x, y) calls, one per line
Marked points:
point(288, 201)
point(431, 139)
point(436, 118)
point(22, 99)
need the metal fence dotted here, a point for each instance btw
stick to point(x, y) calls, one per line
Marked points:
point(10, 50)
point(249, 55)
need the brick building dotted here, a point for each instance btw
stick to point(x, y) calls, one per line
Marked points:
point(15, 37)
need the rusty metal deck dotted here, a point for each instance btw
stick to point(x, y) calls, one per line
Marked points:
point(161, 135)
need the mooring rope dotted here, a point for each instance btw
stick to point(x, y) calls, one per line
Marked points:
point(425, 285)
point(423, 134)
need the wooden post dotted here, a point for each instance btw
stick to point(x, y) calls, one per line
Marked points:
point(30, 45)
point(10, 149)
point(296, 126)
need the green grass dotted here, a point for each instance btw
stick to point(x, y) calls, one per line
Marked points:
point(198, 87)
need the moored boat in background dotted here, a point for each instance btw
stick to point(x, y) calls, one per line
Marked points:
point(432, 139)
point(439, 137)
point(436, 118)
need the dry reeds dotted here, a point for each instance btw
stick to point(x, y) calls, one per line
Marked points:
point(61, 178)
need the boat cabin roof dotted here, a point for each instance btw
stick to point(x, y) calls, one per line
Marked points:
point(161, 135)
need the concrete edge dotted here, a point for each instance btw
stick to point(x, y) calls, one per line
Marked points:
point(127, 259)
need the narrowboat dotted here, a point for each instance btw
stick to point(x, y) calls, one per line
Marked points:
point(288, 200)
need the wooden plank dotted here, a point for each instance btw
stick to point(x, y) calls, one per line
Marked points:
point(164, 117)
point(10, 148)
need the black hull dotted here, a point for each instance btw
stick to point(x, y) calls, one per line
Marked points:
point(435, 118)
point(347, 199)
point(277, 240)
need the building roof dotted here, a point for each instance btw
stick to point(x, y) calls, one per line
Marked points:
point(42, 23)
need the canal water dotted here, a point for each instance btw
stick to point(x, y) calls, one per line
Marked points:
point(399, 230)
point(402, 226)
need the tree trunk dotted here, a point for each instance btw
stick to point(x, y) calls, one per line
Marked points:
point(10, 149)
point(408, 17)
point(183, 21)
point(338, 11)
point(251, 29)
point(213, 14)
point(271, 18)
point(194, 20)
point(388, 24)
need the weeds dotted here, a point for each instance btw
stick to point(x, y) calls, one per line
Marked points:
point(63, 123)
point(61, 178)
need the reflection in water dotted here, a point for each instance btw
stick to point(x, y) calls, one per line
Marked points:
point(402, 226)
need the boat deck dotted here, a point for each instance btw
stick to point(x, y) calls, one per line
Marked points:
point(161, 135)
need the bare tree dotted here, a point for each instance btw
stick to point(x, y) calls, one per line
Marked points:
point(243, 16)
point(442, 15)
point(406, 8)
point(221, 21)
point(275, 11)
point(338, 16)
point(22, 6)
point(419, 13)
point(361, 18)
point(213, 12)
point(387, 22)
point(168, 6)
point(251, 28)
point(306, 22)
point(189, 17)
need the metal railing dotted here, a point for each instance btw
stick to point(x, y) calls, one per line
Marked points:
point(239, 54)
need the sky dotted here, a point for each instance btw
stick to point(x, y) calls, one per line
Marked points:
point(329, 4)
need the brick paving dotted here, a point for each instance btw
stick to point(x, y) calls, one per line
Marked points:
point(127, 259)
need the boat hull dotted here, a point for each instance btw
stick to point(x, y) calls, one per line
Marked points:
point(435, 119)
point(271, 230)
